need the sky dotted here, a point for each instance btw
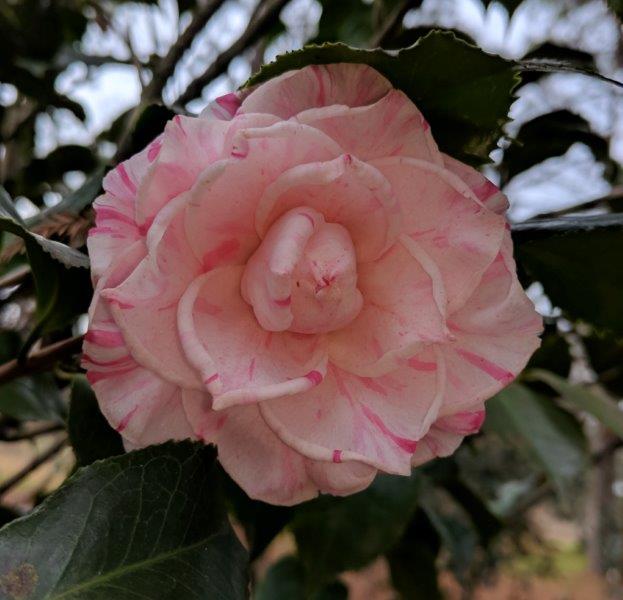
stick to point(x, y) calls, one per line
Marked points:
point(107, 91)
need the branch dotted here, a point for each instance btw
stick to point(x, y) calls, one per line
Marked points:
point(28, 435)
point(267, 13)
point(40, 359)
point(30, 467)
point(15, 277)
point(166, 66)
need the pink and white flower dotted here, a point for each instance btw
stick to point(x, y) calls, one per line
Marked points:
point(302, 278)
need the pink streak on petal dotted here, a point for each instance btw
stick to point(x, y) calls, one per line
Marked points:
point(487, 366)
point(420, 365)
point(222, 252)
point(211, 379)
point(403, 443)
point(94, 376)
point(106, 213)
point(107, 339)
point(154, 150)
point(229, 102)
point(251, 369)
point(371, 384)
point(314, 376)
point(285, 302)
point(124, 422)
point(337, 456)
point(126, 179)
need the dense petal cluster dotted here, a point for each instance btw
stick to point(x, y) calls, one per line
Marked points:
point(302, 278)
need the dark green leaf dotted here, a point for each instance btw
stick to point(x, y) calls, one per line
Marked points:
point(464, 92)
point(551, 135)
point(148, 524)
point(545, 433)
point(336, 534)
point(605, 354)
point(412, 561)
point(578, 262)
point(33, 398)
point(62, 291)
point(90, 434)
point(555, 52)
point(553, 354)
point(261, 521)
point(616, 6)
point(593, 401)
point(348, 21)
point(285, 580)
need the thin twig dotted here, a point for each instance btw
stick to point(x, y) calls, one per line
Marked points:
point(28, 435)
point(166, 66)
point(15, 277)
point(30, 467)
point(40, 359)
point(267, 14)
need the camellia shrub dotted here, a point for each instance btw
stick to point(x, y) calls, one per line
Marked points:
point(302, 299)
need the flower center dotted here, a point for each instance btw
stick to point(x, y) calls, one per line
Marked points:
point(303, 276)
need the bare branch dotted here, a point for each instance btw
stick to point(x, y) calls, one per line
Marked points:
point(15, 277)
point(166, 66)
point(28, 435)
point(267, 13)
point(41, 359)
point(30, 467)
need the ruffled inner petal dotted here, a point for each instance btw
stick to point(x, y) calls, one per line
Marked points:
point(400, 314)
point(444, 217)
point(240, 362)
point(345, 191)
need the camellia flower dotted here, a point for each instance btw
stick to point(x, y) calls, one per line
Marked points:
point(302, 278)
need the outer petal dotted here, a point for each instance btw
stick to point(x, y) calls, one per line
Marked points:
point(391, 126)
point(486, 191)
point(374, 421)
point(447, 433)
point(496, 333)
point(189, 145)
point(315, 86)
point(139, 404)
point(399, 315)
point(239, 361)
point(223, 108)
point(446, 220)
point(346, 191)
point(116, 226)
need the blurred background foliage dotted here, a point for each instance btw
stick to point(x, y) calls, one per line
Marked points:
point(532, 506)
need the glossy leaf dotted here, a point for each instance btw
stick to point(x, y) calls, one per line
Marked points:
point(285, 580)
point(593, 401)
point(462, 91)
point(336, 534)
point(90, 434)
point(32, 398)
point(578, 262)
point(545, 433)
point(147, 524)
point(551, 135)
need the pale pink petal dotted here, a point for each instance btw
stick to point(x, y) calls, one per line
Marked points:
point(263, 466)
point(340, 479)
point(239, 361)
point(188, 146)
point(391, 126)
point(486, 191)
point(315, 86)
point(496, 333)
point(115, 224)
point(376, 421)
point(138, 403)
point(346, 191)
point(223, 108)
point(220, 219)
point(446, 220)
point(447, 434)
point(399, 315)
